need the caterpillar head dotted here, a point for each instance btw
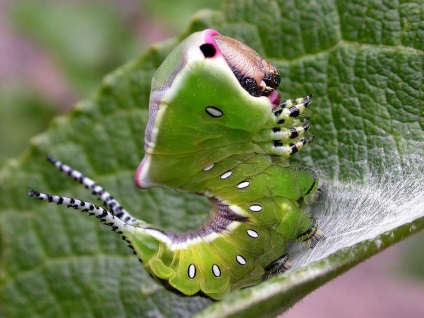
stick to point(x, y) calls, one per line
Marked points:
point(255, 74)
point(210, 92)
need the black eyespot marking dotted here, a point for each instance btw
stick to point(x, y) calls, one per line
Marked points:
point(208, 50)
point(214, 111)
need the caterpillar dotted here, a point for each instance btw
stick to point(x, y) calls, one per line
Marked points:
point(217, 127)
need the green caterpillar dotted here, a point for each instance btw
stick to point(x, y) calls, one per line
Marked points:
point(217, 127)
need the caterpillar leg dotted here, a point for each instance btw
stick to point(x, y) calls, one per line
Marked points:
point(290, 109)
point(116, 209)
point(285, 137)
point(298, 224)
point(312, 235)
point(287, 149)
point(286, 146)
point(285, 112)
point(286, 134)
point(280, 265)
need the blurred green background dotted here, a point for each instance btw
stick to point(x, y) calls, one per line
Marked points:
point(54, 53)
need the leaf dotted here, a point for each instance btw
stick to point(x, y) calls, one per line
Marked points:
point(362, 61)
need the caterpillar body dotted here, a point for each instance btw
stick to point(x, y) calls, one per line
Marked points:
point(217, 127)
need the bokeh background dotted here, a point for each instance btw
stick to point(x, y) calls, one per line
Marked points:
point(54, 53)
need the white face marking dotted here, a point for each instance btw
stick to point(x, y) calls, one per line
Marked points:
point(241, 260)
point(255, 208)
point(225, 175)
point(191, 271)
point(214, 112)
point(209, 167)
point(243, 184)
point(252, 233)
point(216, 270)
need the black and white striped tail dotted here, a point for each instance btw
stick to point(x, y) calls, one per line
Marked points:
point(115, 208)
point(106, 217)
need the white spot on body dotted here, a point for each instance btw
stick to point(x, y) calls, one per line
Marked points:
point(214, 112)
point(241, 260)
point(255, 208)
point(191, 271)
point(252, 233)
point(243, 184)
point(209, 167)
point(226, 174)
point(216, 270)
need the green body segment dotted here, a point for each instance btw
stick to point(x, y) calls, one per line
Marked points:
point(271, 206)
point(229, 261)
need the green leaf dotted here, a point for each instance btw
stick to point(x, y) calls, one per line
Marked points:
point(362, 61)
